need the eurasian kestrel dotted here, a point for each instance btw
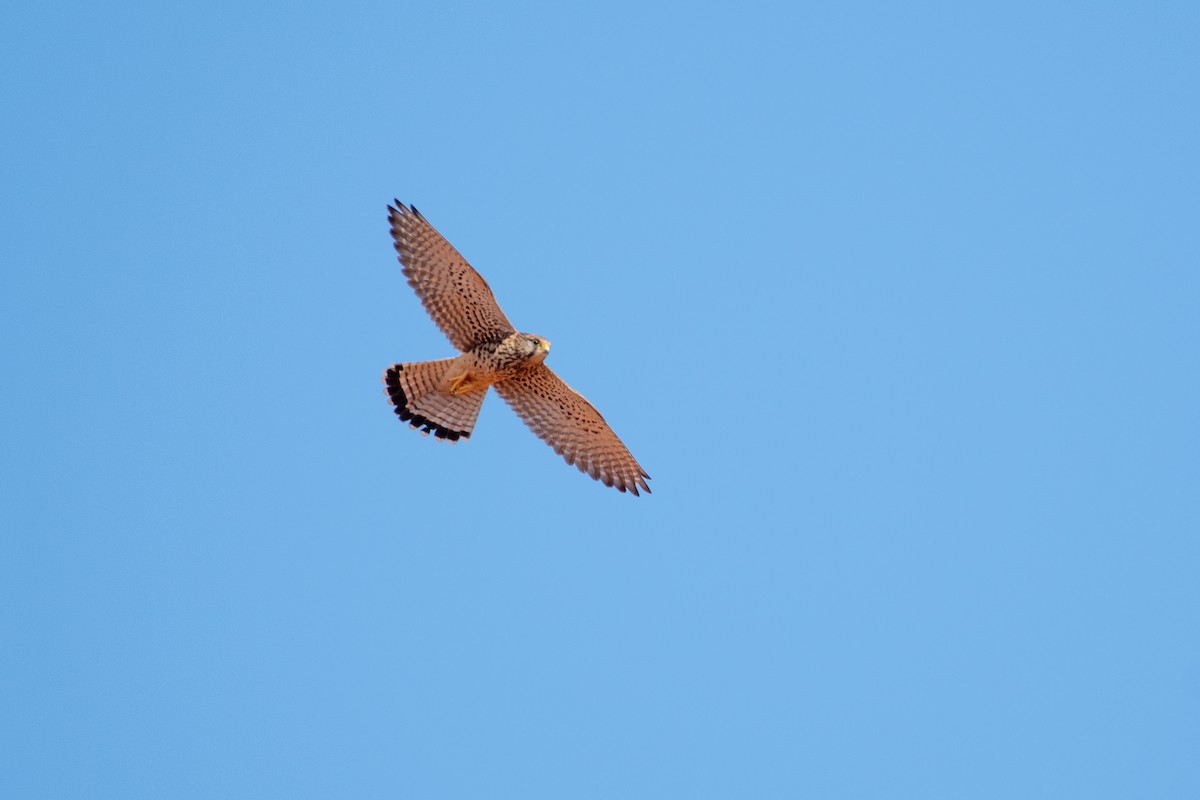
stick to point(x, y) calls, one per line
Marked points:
point(444, 397)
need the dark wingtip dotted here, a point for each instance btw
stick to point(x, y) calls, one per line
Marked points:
point(398, 209)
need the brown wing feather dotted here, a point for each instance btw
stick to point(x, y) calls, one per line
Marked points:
point(454, 294)
point(566, 421)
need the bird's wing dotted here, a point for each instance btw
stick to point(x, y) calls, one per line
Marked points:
point(566, 421)
point(454, 294)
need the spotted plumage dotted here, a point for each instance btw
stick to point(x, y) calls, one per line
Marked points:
point(444, 397)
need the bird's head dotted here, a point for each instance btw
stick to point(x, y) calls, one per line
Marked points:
point(540, 348)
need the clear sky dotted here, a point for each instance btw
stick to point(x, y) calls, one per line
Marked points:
point(899, 304)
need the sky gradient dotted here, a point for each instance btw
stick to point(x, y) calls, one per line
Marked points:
point(899, 304)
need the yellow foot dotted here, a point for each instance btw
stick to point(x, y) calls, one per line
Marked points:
point(461, 384)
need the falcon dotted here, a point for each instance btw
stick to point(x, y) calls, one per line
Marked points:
point(444, 397)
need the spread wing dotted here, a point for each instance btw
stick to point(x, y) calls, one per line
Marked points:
point(572, 426)
point(454, 294)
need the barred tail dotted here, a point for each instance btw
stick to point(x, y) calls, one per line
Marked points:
point(412, 388)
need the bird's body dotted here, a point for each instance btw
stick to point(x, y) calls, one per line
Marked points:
point(488, 363)
point(444, 397)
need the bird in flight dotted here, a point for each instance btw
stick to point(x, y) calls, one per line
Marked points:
point(444, 397)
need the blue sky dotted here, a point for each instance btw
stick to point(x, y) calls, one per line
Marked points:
point(898, 304)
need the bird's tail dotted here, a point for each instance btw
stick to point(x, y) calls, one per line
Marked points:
point(412, 388)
